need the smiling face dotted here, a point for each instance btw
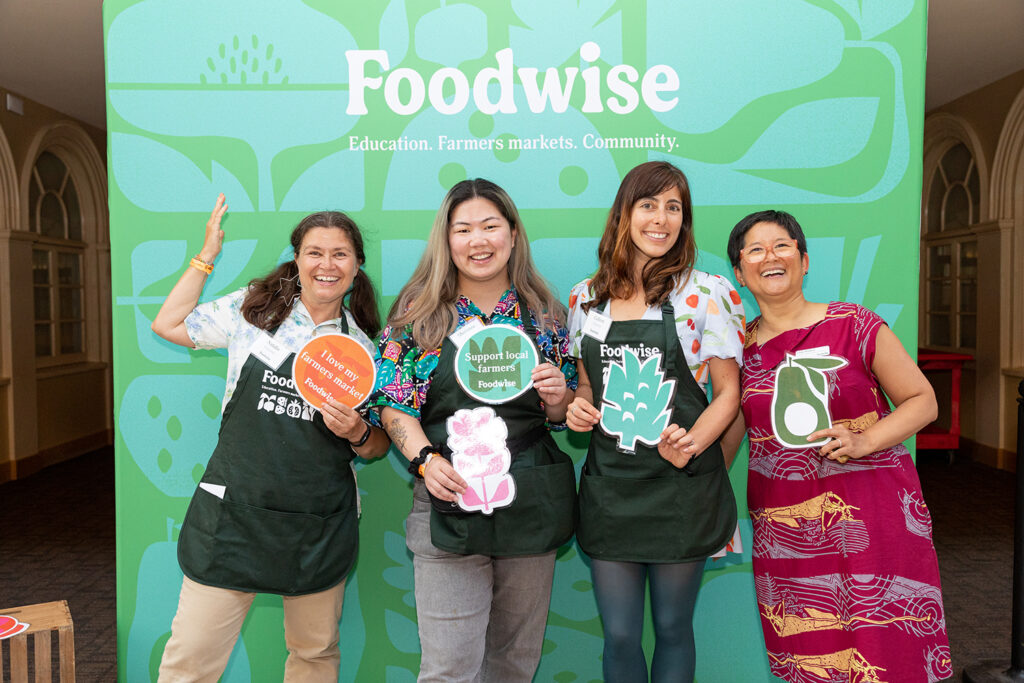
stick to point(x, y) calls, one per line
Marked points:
point(327, 265)
point(480, 240)
point(778, 274)
point(654, 224)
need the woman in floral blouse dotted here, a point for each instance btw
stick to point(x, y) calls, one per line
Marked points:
point(655, 501)
point(483, 580)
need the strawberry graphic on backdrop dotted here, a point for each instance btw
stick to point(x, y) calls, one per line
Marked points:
point(479, 453)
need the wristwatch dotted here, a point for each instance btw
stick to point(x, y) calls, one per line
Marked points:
point(363, 438)
point(419, 463)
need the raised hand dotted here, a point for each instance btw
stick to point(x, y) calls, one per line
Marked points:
point(214, 235)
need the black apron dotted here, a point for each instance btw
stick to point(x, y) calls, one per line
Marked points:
point(287, 523)
point(542, 516)
point(638, 507)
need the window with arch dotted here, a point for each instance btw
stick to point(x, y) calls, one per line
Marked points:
point(57, 269)
point(950, 252)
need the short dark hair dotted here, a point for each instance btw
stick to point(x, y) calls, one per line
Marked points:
point(782, 219)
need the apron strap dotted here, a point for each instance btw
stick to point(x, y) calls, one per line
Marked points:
point(683, 375)
point(668, 319)
point(526, 319)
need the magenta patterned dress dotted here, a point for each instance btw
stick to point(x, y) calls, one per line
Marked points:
point(846, 575)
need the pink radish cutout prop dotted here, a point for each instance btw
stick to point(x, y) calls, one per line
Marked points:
point(479, 453)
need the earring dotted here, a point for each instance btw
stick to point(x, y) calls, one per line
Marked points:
point(293, 278)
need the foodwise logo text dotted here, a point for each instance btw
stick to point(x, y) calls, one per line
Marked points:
point(448, 89)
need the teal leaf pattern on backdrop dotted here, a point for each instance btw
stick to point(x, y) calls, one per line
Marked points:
point(554, 30)
point(451, 35)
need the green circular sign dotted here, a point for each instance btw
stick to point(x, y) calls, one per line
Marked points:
point(494, 364)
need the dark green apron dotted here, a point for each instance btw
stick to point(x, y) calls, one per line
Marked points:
point(287, 523)
point(542, 516)
point(638, 507)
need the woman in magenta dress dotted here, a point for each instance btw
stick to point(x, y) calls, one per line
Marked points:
point(846, 575)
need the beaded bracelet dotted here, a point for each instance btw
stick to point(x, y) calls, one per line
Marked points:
point(200, 264)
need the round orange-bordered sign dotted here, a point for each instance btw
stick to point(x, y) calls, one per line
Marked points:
point(334, 366)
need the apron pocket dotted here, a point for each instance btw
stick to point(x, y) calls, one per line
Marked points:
point(676, 518)
point(543, 515)
point(541, 518)
point(254, 549)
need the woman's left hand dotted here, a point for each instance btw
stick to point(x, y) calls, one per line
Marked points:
point(549, 383)
point(680, 446)
point(345, 422)
point(844, 444)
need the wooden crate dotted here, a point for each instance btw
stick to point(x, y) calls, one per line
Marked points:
point(43, 619)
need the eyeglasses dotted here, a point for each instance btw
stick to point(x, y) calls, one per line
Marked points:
point(758, 253)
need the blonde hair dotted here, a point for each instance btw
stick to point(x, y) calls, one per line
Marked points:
point(427, 301)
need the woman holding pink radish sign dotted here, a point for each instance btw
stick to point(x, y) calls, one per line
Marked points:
point(472, 375)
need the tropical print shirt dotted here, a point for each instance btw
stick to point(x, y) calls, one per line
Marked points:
point(219, 324)
point(404, 369)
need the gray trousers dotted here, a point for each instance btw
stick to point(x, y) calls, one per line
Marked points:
point(481, 619)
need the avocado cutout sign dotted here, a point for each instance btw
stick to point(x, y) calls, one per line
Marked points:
point(800, 399)
point(636, 402)
point(333, 366)
point(494, 363)
point(480, 454)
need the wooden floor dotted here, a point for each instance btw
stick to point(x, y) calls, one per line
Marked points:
point(57, 542)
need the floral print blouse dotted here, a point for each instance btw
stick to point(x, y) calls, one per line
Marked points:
point(218, 324)
point(404, 369)
point(709, 320)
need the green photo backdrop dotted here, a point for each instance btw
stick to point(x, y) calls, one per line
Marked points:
point(376, 109)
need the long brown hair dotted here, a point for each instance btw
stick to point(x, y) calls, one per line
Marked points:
point(427, 301)
point(270, 298)
point(616, 252)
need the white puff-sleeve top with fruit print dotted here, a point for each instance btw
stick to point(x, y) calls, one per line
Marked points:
point(709, 320)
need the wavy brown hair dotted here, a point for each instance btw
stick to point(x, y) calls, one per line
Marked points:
point(427, 301)
point(616, 253)
point(270, 298)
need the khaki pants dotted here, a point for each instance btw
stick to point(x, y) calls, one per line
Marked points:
point(209, 620)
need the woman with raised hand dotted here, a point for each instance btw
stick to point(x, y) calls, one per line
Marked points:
point(482, 578)
point(650, 331)
point(276, 510)
point(844, 566)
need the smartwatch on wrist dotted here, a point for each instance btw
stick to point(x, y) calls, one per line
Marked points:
point(419, 463)
point(363, 438)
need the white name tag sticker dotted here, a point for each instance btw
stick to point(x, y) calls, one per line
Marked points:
point(460, 335)
point(269, 351)
point(597, 325)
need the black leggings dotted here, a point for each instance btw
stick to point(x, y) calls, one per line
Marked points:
point(619, 588)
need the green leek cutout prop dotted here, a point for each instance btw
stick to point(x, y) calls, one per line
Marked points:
point(636, 401)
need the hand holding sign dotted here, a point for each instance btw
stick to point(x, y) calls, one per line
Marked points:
point(549, 383)
point(333, 367)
